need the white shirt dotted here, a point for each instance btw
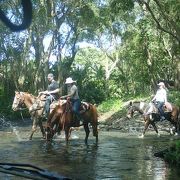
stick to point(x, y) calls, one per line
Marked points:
point(161, 95)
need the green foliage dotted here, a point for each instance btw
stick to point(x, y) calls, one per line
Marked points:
point(120, 30)
point(111, 104)
point(173, 97)
point(119, 5)
point(173, 154)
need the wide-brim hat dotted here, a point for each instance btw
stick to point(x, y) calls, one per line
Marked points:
point(69, 81)
point(161, 84)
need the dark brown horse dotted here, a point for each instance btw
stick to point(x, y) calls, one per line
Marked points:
point(62, 118)
point(151, 115)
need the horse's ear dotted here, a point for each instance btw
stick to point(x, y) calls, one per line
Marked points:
point(130, 103)
point(16, 92)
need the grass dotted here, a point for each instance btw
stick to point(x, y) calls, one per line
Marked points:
point(110, 105)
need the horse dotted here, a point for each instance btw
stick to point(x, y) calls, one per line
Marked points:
point(35, 105)
point(151, 115)
point(62, 118)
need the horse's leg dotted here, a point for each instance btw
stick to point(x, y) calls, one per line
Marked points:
point(155, 128)
point(34, 127)
point(67, 131)
point(41, 127)
point(70, 131)
point(94, 123)
point(86, 128)
point(176, 129)
point(147, 122)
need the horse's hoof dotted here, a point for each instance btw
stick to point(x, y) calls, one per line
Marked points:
point(176, 134)
point(141, 136)
point(158, 135)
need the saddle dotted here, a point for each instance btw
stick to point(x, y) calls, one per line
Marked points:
point(40, 102)
point(152, 108)
point(84, 107)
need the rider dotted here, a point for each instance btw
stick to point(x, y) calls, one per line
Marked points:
point(52, 93)
point(74, 97)
point(161, 98)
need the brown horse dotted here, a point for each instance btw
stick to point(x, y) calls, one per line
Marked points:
point(151, 115)
point(35, 106)
point(62, 118)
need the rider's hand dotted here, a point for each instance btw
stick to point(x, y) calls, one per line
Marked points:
point(46, 92)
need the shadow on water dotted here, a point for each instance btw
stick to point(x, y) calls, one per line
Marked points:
point(116, 156)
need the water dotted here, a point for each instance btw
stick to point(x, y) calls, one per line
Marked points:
point(116, 156)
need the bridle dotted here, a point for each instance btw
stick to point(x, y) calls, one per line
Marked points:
point(19, 101)
point(27, 17)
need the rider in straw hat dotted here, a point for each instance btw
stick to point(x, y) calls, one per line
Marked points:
point(74, 96)
point(161, 98)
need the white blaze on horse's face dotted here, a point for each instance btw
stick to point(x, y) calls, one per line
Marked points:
point(17, 101)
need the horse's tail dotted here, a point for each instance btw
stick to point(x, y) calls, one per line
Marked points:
point(94, 112)
point(94, 121)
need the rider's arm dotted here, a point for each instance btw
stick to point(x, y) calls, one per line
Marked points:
point(49, 92)
point(54, 91)
point(72, 92)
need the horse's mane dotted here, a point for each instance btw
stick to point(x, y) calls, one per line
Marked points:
point(29, 94)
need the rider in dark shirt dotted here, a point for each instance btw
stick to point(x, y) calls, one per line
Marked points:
point(52, 93)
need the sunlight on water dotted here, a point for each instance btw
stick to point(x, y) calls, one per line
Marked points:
point(16, 133)
point(116, 156)
point(62, 136)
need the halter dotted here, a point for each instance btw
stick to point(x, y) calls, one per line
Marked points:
point(20, 102)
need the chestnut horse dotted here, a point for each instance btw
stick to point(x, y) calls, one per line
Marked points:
point(62, 118)
point(151, 114)
point(35, 106)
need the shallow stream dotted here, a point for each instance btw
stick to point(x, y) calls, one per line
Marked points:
point(116, 156)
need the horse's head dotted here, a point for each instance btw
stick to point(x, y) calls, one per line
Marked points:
point(130, 112)
point(49, 132)
point(18, 101)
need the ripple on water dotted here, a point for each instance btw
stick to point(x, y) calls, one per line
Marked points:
point(116, 156)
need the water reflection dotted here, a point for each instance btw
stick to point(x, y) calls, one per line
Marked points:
point(116, 156)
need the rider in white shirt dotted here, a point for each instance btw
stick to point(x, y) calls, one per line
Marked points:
point(161, 99)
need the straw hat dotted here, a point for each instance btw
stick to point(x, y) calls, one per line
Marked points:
point(69, 80)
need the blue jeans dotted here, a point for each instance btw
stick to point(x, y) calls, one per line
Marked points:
point(76, 103)
point(49, 100)
point(160, 107)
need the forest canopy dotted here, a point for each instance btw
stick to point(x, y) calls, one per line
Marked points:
point(113, 48)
